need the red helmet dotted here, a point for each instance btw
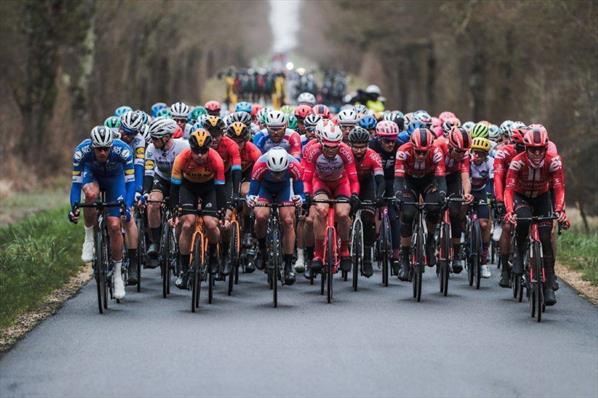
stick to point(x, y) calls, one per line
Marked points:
point(213, 107)
point(302, 111)
point(322, 110)
point(255, 108)
point(387, 129)
point(444, 116)
point(517, 135)
point(422, 139)
point(536, 136)
point(459, 139)
point(449, 124)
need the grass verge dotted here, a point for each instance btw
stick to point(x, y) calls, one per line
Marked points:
point(579, 251)
point(39, 254)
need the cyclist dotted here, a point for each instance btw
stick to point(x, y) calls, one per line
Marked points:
point(372, 185)
point(419, 170)
point(330, 173)
point(197, 174)
point(531, 176)
point(157, 107)
point(101, 163)
point(276, 177)
point(310, 123)
point(180, 113)
point(368, 122)
point(278, 135)
point(213, 107)
point(121, 110)
point(301, 112)
point(482, 174)
point(455, 150)
point(306, 99)
point(322, 110)
point(347, 120)
point(386, 145)
point(160, 156)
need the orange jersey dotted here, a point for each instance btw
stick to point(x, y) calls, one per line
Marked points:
point(229, 152)
point(185, 167)
point(249, 155)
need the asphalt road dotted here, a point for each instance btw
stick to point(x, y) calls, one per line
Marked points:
point(375, 342)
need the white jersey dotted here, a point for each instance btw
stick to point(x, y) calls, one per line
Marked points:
point(187, 131)
point(481, 174)
point(138, 147)
point(158, 161)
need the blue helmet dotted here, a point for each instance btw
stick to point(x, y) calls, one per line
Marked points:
point(243, 107)
point(121, 110)
point(403, 137)
point(368, 122)
point(415, 124)
point(157, 107)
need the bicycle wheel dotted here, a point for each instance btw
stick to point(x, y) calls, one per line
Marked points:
point(469, 245)
point(211, 278)
point(196, 272)
point(357, 249)
point(538, 270)
point(275, 262)
point(330, 264)
point(233, 254)
point(140, 246)
point(164, 259)
point(477, 253)
point(98, 265)
point(385, 246)
point(322, 282)
point(106, 284)
point(445, 250)
point(419, 264)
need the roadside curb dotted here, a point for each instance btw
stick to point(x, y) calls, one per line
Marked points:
point(51, 304)
point(574, 280)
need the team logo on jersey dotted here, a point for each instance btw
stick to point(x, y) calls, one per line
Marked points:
point(516, 165)
point(555, 165)
point(78, 156)
point(401, 155)
point(125, 153)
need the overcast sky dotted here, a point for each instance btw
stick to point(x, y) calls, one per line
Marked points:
point(284, 18)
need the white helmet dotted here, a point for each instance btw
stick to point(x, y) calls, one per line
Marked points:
point(514, 126)
point(493, 133)
point(468, 126)
point(180, 110)
point(347, 117)
point(505, 128)
point(329, 132)
point(373, 89)
point(145, 132)
point(307, 99)
point(101, 136)
point(277, 159)
point(131, 122)
point(276, 119)
point(162, 127)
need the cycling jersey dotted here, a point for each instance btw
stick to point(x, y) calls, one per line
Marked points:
point(229, 152)
point(408, 165)
point(116, 176)
point(269, 185)
point(532, 182)
point(291, 141)
point(451, 164)
point(249, 155)
point(159, 161)
point(138, 147)
point(369, 164)
point(320, 170)
point(388, 158)
point(504, 155)
point(481, 175)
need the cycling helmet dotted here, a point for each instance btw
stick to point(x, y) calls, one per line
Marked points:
point(330, 133)
point(180, 110)
point(322, 110)
point(116, 135)
point(242, 117)
point(255, 108)
point(408, 118)
point(195, 113)
point(112, 122)
point(505, 128)
point(449, 124)
point(480, 144)
point(276, 119)
point(397, 117)
point(302, 111)
point(347, 117)
point(422, 139)
point(362, 110)
point(213, 108)
point(200, 140)
point(292, 122)
point(243, 107)
point(311, 121)
point(387, 129)
point(261, 115)
point(468, 126)
point(131, 122)
point(306, 99)
point(517, 136)
point(536, 136)
point(459, 139)
point(517, 126)
point(165, 112)
point(414, 125)
point(157, 107)
point(493, 133)
point(101, 137)
point(144, 131)
point(444, 116)
point(423, 117)
point(368, 122)
point(287, 110)
point(359, 135)
point(214, 124)
point(162, 127)
point(121, 110)
point(373, 89)
point(480, 130)
point(238, 131)
point(277, 159)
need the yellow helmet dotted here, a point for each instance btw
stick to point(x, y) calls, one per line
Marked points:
point(237, 131)
point(200, 139)
point(480, 144)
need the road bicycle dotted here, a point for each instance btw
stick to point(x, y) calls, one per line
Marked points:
point(474, 244)
point(357, 245)
point(234, 250)
point(168, 254)
point(102, 268)
point(140, 221)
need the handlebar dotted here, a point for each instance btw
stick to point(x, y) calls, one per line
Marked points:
point(274, 205)
point(330, 201)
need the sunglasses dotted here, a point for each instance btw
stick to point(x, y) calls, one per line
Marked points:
point(276, 131)
point(387, 141)
point(330, 148)
point(200, 151)
point(102, 148)
point(421, 152)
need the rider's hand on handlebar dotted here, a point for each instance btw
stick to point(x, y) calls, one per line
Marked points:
point(74, 214)
point(251, 201)
point(173, 222)
point(380, 201)
point(297, 200)
point(500, 209)
point(355, 201)
point(511, 217)
point(468, 198)
point(562, 219)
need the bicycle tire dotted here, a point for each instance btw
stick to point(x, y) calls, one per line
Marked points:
point(477, 269)
point(322, 282)
point(210, 288)
point(330, 264)
point(469, 257)
point(445, 248)
point(275, 258)
point(140, 246)
point(385, 244)
point(107, 285)
point(98, 270)
point(233, 254)
point(164, 257)
point(356, 249)
point(538, 269)
point(419, 253)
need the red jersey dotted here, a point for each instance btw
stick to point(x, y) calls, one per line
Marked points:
point(533, 182)
point(502, 160)
point(370, 163)
point(407, 165)
point(249, 155)
point(329, 170)
point(185, 167)
point(229, 152)
point(452, 165)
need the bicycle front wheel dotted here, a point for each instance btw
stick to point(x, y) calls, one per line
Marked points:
point(233, 255)
point(195, 272)
point(445, 250)
point(330, 264)
point(98, 270)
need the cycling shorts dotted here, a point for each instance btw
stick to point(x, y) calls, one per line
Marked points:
point(338, 189)
point(191, 193)
point(279, 192)
point(161, 185)
point(483, 211)
point(113, 186)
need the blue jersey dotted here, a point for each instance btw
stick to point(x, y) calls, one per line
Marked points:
point(118, 165)
point(137, 147)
